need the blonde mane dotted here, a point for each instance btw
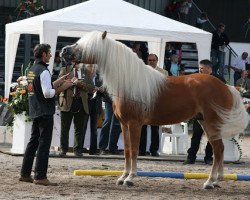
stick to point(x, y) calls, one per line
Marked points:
point(123, 73)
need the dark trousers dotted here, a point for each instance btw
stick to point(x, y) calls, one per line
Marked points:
point(93, 116)
point(115, 132)
point(154, 146)
point(195, 143)
point(40, 141)
point(237, 76)
point(79, 116)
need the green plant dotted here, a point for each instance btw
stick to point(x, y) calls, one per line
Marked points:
point(18, 101)
point(29, 8)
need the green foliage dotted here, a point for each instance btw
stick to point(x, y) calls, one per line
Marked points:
point(18, 104)
point(19, 99)
point(29, 8)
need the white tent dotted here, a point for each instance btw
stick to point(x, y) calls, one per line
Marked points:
point(122, 20)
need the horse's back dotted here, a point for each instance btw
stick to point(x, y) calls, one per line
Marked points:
point(182, 97)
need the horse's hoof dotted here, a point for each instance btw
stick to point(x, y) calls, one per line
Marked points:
point(119, 182)
point(216, 185)
point(128, 183)
point(208, 186)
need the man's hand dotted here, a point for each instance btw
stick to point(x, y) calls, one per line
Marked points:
point(60, 80)
point(64, 86)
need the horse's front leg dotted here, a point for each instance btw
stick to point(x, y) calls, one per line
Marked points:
point(217, 168)
point(127, 166)
point(134, 139)
point(220, 176)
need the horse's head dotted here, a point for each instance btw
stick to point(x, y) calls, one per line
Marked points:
point(77, 52)
point(71, 53)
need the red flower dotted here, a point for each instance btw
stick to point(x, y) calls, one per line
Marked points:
point(22, 8)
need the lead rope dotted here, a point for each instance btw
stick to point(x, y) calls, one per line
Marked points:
point(235, 141)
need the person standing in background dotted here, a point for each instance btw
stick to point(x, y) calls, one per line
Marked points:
point(205, 67)
point(95, 109)
point(154, 146)
point(73, 104)
point(219, 41)
point(239, 65)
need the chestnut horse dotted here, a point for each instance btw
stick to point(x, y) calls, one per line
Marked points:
point(142, 95)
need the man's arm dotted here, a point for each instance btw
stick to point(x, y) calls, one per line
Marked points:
point(46, 85)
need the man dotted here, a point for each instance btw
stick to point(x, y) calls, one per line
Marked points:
point(73, 103)
point(41, 110)
point(244, 84)
point(152, 60)
point(239, 65)
point(219, 42)
point(95, 109)
point(205, 67)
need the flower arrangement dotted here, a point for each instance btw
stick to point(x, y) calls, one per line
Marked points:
point(243, 92)
point(29, 8)
point(18, 102)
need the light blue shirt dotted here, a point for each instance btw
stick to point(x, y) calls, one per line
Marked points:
point(174, 69)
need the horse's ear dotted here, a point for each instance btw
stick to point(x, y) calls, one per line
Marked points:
point(104, 34)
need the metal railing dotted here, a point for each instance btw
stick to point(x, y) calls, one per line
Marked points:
point(210, 28)
point(230, 54)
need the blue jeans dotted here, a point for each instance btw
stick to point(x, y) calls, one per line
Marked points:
point(114, 134)
point(217, 58)
point(110, 131)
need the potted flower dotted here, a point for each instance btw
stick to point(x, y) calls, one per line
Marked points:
point(18, 105)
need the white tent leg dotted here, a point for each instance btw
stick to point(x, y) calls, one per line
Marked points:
point(11, 43)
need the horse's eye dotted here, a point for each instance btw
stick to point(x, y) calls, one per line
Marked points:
point(64, 50)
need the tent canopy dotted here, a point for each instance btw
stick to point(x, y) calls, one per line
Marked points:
point(122, 20)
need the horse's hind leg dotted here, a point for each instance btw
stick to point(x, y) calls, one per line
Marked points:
point(134, 139)
point(217, 168)
point(127, 166)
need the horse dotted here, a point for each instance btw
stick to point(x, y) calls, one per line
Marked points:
point(142, 95)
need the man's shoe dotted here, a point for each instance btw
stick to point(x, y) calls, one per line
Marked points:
point(44, 182)
point(26, 179)
point(208, 161)
point(115, 152)
point(142, 153)
point(62, 154)
point(103, 152)
point(155, 154)
point(84, 150)
point(93, 153)
point(188, 162)
point(78, 154)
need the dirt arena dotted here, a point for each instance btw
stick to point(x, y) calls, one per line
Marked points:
point(87, 187)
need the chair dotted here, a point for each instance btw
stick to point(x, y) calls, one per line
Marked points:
point(175, 142)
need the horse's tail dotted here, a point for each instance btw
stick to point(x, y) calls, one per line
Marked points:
point(235, 120)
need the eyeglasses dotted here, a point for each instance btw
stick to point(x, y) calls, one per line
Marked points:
point(152, 60)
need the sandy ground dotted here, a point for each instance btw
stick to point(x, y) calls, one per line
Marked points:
point(87, 187)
